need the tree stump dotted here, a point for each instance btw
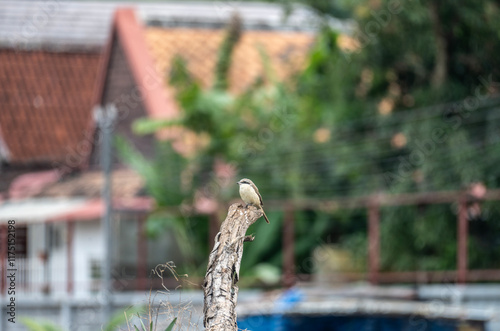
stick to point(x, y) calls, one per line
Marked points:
point(221, 292)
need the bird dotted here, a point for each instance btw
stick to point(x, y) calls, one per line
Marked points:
point(249, 193)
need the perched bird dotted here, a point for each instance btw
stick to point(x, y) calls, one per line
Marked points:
point(249, 193)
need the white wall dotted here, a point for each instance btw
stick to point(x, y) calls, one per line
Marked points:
point(88, 249)
point(88, 246)
point(32, 270)
point(58, 258)
point(36, 238)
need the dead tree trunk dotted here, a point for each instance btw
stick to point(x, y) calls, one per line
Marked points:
point(223, 269)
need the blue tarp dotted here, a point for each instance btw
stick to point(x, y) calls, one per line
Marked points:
point(346, 323)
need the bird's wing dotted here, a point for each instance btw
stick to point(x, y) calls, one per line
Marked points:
point(258, 193)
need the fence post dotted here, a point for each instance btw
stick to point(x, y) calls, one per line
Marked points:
point(142, 254)
point(462, 241)
point(70, 228)
point(373, 242)
point(288, 247)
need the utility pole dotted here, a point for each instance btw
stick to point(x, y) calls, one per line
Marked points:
point(105, 118)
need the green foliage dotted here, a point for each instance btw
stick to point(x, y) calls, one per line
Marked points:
point(403, 130)
point(269, 240)
point(163, 182)
point(117, 320)
point(170, 327)
point(162, 176)
point(412, 109)
point(233, 34)
point(121, 317)
point(33, 325)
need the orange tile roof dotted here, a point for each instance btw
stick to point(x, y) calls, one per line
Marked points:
point(286, 50)
point(46, 101)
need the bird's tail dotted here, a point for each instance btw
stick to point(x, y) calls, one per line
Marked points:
point(265, 216)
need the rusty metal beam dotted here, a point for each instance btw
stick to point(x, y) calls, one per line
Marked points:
point(418, 277)
point(373, 242)
point(288, 247)
point(383, 200)
point(462, 233)
point(142, 254)
point(448, 276)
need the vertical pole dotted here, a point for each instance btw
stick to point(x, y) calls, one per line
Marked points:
point(105, 119)
point(70, 258)
point(66, 315)
point(462, 242)
point(373, 242)
point(288, 247)
point(3, 257)
point(46, 258)
point(142, 254)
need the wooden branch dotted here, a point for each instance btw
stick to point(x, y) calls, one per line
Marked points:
point(221, 292)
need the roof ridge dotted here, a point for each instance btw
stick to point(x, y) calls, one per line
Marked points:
point(130, 32)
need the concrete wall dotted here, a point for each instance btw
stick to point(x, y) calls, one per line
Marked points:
point(86, 315)
point(77, 314)
point(483, 298)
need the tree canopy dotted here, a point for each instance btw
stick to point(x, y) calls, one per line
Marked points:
point(406, 103)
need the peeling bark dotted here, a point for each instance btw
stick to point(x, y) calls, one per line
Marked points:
point(221, 292)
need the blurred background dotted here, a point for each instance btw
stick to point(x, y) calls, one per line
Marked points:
point(371, 128)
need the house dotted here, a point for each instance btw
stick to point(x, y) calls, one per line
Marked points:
point(51, 80)
point(45, 99)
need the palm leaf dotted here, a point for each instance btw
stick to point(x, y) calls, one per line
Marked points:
point(170, 327)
